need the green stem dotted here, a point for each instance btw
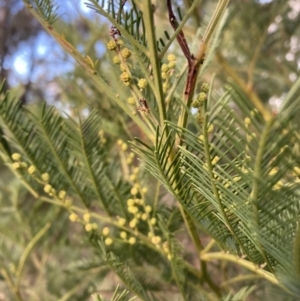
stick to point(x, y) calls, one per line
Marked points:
point(15, 291)
point(27, 251)
point(241, 262)
point(154, 60)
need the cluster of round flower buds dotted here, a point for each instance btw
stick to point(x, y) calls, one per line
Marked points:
point(42, 179)
point(121, 58)
point(199, 101)
point(167, 70)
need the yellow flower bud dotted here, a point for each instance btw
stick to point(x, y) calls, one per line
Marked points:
point(153, 221)
point(171, 57)
point(133, 223)
point(16, 165)
point(155, 240)
point(122, 221)
point(123, 235)
point(95, 226)
point(148, 209)
point(47, 188)
point(130, 202)
point(88, 227)
point(31, 169)
point(144, 190)
point(16, 156)
point(247, 121)
point(73, 217)
point(164, 68)
point(164, 75)
point(124, 146)
point(123, 67)
point(204, 88)
point(132, 177)
point(131, 101)
point(142, 83)
point(45, 177)
point(133, 209)
point(166, 86)
point(132, 240)
point(144, 216)
point(86, 217)
point(62, 194)
point(134, 191)
point(172, 65)
point(125, 77)
point(136, 170)
point(111, 45)
point(126, 53)
point(108, 241)
point(105, 231)
point(116, 60)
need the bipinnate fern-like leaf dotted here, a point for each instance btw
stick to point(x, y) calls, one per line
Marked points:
point(69, 152)
point(239, 179)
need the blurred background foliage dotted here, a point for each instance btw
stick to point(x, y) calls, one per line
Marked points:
point(259, 48)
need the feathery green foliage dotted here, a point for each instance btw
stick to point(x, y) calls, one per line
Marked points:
point(212, 174)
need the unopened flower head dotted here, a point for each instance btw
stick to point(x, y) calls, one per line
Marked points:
point(86, 217)
point(88, 227)
point(105, 231)
point(134, 191)
point(62, 194)
point(126, 53)
point(108, 241)
point(73, 217)
point(153, 221)
point(16, 165)
point(132, 240)
point(48, 188)
point(131, 101)
point(124, 146)
point(111, 45)
point(125, 77)
point(156, 240)
point(122, 221)
point(172, 64)
point(142, 83)
point(171, 57)
point(116, 60)
point(45, 177)
point(16, 156)
point(133, 223)
point(204, 88)
point(31, 169)
point(123, 234)
point(164, 68)
point(148, 209)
